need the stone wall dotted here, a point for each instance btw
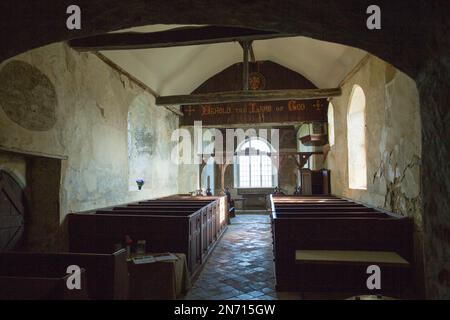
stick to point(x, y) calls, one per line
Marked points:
point(56, 101)
point(393, 145)
point(433, 83)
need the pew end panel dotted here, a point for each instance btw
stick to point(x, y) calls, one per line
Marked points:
point(46, 287)
point(292, 234)
point(106, 274)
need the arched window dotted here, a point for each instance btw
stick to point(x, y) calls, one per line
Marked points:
point(356, 140)
point(331, 124)
point(254, 165)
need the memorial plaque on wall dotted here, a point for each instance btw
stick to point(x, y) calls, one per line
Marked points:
point(264, 75)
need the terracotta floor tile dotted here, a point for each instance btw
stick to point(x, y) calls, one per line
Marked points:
point(241, 266)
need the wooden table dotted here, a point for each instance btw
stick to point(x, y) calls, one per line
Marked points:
point(380, 258)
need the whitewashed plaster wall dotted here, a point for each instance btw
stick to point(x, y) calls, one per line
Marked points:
point(86, 120)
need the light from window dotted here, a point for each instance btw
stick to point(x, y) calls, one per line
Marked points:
point(331, 124)
point(356, 140)
point(255, 169)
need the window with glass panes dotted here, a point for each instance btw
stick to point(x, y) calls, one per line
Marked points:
point(255, 169)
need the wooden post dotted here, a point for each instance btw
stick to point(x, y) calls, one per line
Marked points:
point(245, 68)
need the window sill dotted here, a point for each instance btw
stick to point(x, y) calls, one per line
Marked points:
point(358, 188)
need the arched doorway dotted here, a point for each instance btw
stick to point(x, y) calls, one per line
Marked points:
point(12, 212)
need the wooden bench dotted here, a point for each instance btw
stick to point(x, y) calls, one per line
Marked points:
point(364, 258)
point(106, 275)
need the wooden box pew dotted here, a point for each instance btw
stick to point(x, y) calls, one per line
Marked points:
point(325, 209)
point(220, 202)
point(174, 202)
point(193, 233)
point(212, 222)
point(178, 204)
point(162, 233)
point(146, 212)
point(44, 275)
point(295, 199)
point(290, 203)
point(314, 204)
point(339, 233)
point(308, 200)
point(305, 197)
point(319, 214)
point(173, 206)
point(185, 197)
point(211, 226)
point(298, 201)
point(214, 216)
point(158, 208)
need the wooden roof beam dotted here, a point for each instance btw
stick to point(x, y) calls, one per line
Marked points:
point(248, 96)
point(184, 36)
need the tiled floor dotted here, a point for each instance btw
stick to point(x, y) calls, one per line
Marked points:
point(241, 266)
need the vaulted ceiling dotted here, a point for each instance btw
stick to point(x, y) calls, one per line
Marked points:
point(180, 70)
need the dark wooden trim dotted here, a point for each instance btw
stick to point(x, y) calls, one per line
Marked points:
point(33, 153)
point(248, 96)
point(185, 36)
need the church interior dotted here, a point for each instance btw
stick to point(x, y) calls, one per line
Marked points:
point(185, 159)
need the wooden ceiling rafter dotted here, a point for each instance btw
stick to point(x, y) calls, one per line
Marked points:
point(184, 36)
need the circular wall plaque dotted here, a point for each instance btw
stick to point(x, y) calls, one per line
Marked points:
point(27, 96)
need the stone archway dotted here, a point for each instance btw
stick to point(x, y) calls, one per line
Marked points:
point(412, 38)
point(340, 22)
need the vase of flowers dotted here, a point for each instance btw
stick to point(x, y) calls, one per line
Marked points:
point(140, 183)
